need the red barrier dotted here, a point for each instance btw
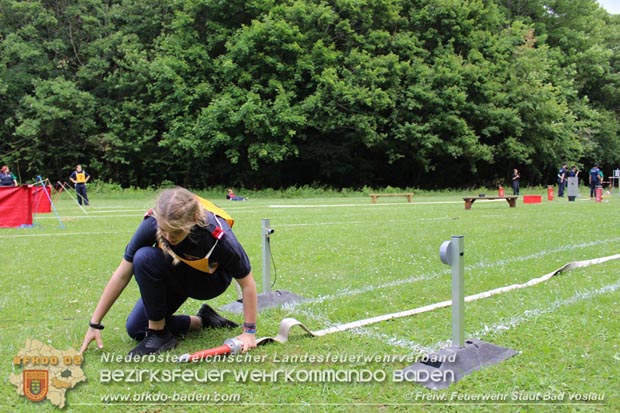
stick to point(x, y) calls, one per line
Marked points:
point(41, 199)
point(15, 206)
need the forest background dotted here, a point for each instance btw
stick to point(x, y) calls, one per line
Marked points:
point(338, 93)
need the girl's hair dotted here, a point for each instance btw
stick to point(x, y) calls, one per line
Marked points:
point(5, 169)
point(179, 209)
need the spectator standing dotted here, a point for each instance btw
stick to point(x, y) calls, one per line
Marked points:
point(574, 172)
point(79, 177)
point(562, 175)
point(515, 181)
point(6, 177)
point(594, 180)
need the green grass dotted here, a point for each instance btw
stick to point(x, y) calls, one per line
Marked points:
point(351, 260)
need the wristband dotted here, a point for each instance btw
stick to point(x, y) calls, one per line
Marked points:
point(96, 326)
point(249, 328)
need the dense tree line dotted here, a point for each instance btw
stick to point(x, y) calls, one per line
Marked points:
point(273, 93)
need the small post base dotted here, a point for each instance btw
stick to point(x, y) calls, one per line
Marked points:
point(266, 300)
point(449, 365)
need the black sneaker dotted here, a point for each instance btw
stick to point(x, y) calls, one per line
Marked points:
point(154, 343)
point(212, 319)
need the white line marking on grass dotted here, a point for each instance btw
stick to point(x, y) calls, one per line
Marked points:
point(331, 205)
point(397, 283)
point(483, 264)
point(318, 224)
point(537, 312)
point(76, 217)
point(63, 234)
point(365, 205)
point(106, 211)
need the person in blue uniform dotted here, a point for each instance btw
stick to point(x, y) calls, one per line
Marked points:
point(562, 175)
point(6, 177)
point(516, 176)
point(180, 250)
point(574, 172)
point(79, 177)
point(594, 180)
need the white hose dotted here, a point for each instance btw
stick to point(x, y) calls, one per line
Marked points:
point(288, 323)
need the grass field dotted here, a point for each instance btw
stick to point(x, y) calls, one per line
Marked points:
point(350, 260)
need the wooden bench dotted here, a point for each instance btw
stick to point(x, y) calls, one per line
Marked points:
point(374, 197)
point(511, 199)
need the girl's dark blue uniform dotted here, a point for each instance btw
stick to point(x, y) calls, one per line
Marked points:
point(165, 286)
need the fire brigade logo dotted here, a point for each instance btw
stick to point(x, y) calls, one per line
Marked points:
point(36, 383)
point(40, 372)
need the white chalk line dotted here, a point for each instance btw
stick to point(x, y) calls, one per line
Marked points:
point(364, 222)
point(387, 204)
point(397, 283)
point(366, 205)
point(64, 234)
point(138, 211)
point(141, 213)
point(92, 215)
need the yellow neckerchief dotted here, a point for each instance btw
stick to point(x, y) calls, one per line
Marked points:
point(203, 264)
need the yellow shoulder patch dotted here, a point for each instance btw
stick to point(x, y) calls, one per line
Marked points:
point(211, 207)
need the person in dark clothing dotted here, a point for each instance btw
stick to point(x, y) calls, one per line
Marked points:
point(515, 181)
point(181, 250)
point(594, 179)
point(79, 177)
point(6, 177)
point(562, 175)
point(230, 195)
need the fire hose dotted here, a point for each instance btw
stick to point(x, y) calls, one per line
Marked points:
point(234, 346)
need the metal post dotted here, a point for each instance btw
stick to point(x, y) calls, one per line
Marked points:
point(451, 253)
point(266, 231)
point(458, 292)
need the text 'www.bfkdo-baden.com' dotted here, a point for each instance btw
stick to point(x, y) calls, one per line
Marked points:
point(149, 397)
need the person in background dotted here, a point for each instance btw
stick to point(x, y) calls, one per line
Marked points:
point(180, 250)
point(515, 181)
point(594, 180)
point(562, 175)
point(574, 172)
point(230, 195)
point(79, 177)
point(6, 177)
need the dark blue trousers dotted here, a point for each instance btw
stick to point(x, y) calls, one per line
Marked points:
point(80, 189)
point(164, 287)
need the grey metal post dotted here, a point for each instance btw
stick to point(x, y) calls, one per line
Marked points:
point(266, 231)
point(458, 292)
point(464, 359)
point(452, 253)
